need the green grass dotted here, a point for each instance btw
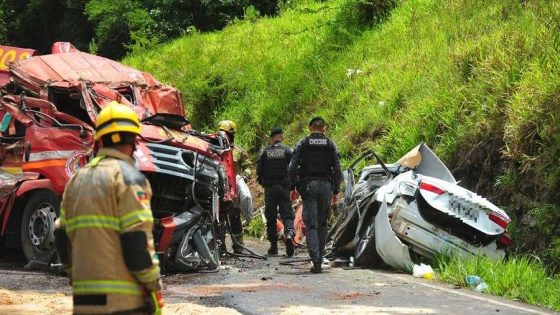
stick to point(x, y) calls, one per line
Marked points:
point(478, 81)
point(256, 228)
point(522, 278)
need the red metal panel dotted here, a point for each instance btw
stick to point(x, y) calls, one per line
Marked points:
point(10, 54)
point(5, 211)
point(71, 67)
point(168, 225)
point(47, 141)
point(166, 99)
point(63, 47)
point(30, 185)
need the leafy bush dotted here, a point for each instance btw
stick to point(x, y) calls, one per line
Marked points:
point(121, 26)
point(111, 27)
point(38, 23)
point(257, 228)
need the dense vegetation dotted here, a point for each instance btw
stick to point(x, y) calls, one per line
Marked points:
point(113, 27)
point(479, 81)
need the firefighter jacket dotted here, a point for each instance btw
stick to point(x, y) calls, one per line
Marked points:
point(272, 165)
point(315, 157)
point(106, 219)
point(241, 161)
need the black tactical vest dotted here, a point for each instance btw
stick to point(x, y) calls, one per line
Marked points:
point(316, 157)
point(276, 161)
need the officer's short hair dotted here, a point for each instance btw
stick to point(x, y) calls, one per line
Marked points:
point(317, 122)
point(124, 138)
point(275, 131)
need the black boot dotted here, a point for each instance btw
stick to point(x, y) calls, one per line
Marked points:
point(273, 250)
point(316, 268)
point(289, 240)
point(237, 240)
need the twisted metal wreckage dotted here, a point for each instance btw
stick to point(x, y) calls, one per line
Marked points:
point(402, 213)
point(48, 109)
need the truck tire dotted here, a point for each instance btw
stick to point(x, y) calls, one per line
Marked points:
point(37, 226)
point(366, 253)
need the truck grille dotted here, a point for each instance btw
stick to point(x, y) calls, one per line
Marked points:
point(175, 173)
point(172, 161)
point(170, 194)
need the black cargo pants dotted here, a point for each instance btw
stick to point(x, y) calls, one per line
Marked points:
point(316, 205)
point(277, 199)
point(235, 221)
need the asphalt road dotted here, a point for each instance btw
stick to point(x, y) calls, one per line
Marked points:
point(251, 286)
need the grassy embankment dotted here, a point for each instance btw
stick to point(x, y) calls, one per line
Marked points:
point(479, 81)
point(520, 278)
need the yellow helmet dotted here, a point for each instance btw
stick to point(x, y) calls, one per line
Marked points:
point(115, 118)
point(227, 126)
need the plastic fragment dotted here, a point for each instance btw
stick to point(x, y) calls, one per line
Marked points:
point(423, 271)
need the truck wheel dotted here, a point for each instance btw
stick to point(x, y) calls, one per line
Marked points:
point(366, 253)
point(37, 226)
point(207, 246)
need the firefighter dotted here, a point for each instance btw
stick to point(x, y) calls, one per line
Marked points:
point(242, 169)
point(272, 174)
point(104, 233)
point(315, 172)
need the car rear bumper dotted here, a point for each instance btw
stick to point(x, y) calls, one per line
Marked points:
point(407, 230)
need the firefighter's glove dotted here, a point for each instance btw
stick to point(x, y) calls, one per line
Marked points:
point(153, 296)
point(154, 299)
point(153, 286)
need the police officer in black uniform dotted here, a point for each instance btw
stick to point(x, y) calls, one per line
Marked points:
point(272, 174)
point(315, 172)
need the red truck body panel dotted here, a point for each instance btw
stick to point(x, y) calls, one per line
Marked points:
point(8, 55)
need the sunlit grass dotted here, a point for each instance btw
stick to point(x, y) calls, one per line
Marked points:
point(520, 278)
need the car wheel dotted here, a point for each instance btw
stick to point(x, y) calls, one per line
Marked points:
point(366, 254)
point(37, 226)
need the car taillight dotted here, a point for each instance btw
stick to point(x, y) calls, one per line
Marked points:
point(498, 220)
point(505, 240)
point(431, 188)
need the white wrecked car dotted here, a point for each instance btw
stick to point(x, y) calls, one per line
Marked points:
point(414, 207)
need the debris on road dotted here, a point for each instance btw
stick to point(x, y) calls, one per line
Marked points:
point(423, 271)
point(476, 283)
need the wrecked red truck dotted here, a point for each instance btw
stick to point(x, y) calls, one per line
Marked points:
point(48, 108)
